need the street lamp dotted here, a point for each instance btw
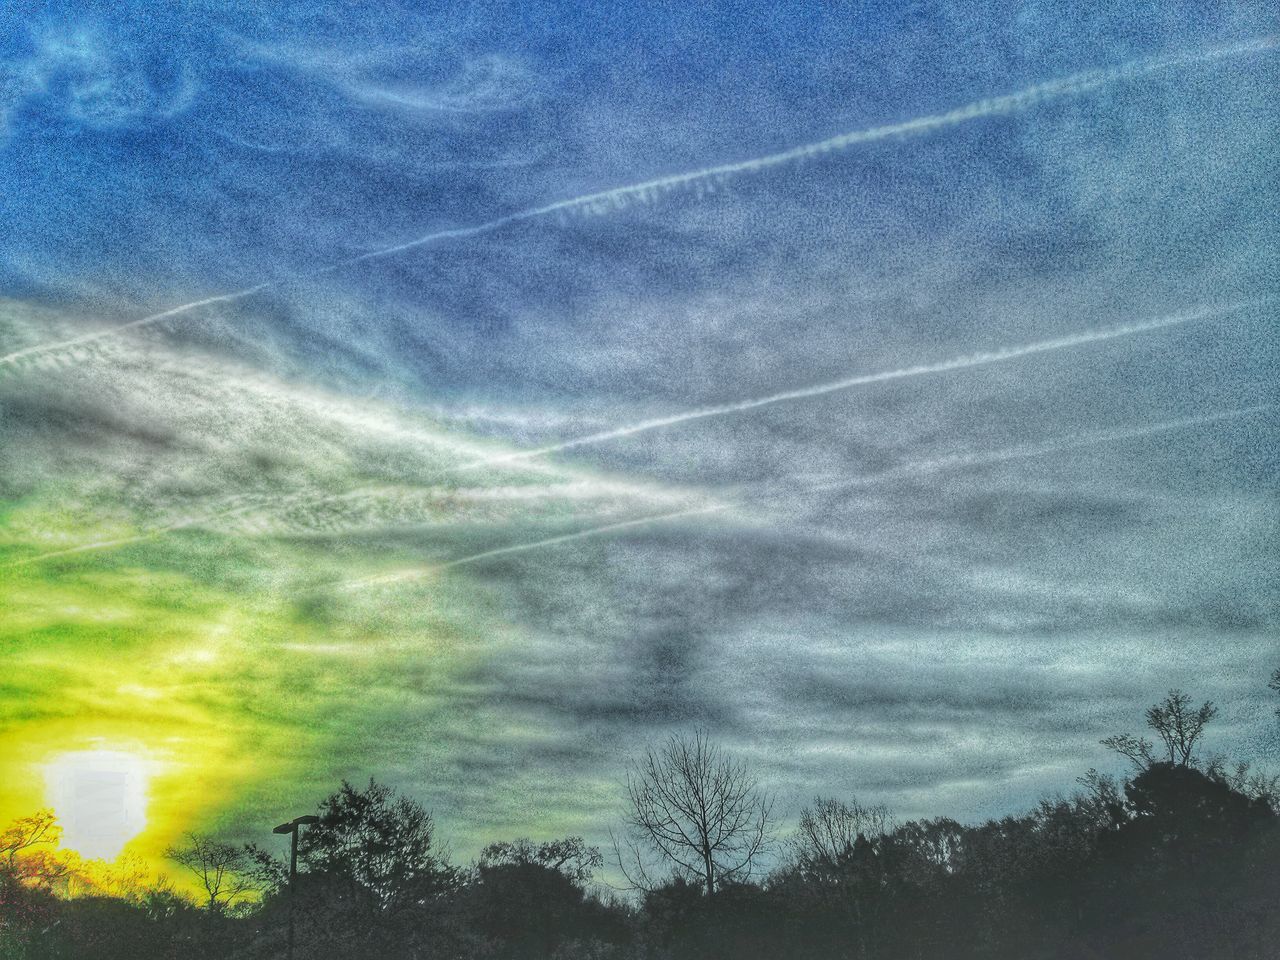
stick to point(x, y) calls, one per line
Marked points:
point(291, 828)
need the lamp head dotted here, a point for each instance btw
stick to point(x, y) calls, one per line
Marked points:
point(295, 823)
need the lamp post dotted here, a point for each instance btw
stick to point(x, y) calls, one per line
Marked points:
point(291, 828)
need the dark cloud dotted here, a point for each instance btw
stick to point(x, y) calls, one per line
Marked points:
point(939, 590)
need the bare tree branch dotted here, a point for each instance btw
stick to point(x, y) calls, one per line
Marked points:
point(699, 809)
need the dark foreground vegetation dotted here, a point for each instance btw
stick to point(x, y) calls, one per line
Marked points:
point(1181, 859)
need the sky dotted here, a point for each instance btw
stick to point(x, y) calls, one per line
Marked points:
point(469, 397)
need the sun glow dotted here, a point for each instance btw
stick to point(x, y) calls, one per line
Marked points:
point(100, 799)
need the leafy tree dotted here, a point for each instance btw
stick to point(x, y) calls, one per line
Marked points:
point(380, 843)
point(371, 880)
point(528, 899)
point(570, 856)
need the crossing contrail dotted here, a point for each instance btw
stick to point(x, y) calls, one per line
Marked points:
point(937, 465)
point(1021, 452)
point(965, 362)
point(706, 179)
point(416, 573)
point(956, 363)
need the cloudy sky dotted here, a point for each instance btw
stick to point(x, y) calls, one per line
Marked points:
point(469, 398)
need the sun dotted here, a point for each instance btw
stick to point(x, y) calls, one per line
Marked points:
point(100, 799)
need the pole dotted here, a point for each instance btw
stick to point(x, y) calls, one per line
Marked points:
point(292, 828)
point(293, 880)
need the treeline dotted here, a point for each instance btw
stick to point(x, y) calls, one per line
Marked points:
point(1179, 859)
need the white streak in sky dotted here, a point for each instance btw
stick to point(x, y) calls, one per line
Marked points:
point(707, 178)
point(619, 198)
point(143, 321)
point(928, 466)
point(966, 362)
point(956, 363)
point(400, 576)
point(107, 544)
point(1031, 451)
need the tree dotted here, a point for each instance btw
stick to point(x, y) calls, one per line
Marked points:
point(698, 808)
point(225, 871)
point(1178, 726)
point(837, 848)
point(527, 899)
point(570, 857)
point(371, 881)
point(829, 832)
point(20, 836)
point(380, 844)
point(29, 852)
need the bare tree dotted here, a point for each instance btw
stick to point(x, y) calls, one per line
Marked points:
point(1136, 749)
point(698, 808)
point(226, 872)
point(1179, 727)
point(829, 830)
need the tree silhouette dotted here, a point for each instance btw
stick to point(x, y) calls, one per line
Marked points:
point(829, 831)
point(528, 899)
point(697, 808)
point(1180, 726)
point(1179, 859)
point(226, 872)
point(382, 843)
point(569, 856)
point(1176, 723)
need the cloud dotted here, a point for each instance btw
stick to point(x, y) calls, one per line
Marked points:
point(938, 589)
point(485, 84)
point(706, 179)
point(89, 79)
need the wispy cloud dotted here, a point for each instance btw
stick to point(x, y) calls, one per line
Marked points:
point(969, 361)
point(706, 179)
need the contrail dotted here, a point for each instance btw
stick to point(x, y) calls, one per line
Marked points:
point(154, 533)
point(884, 376)
point(707, 179)
point(1030, 451)
point(618, 198)
point(107, 544)
point(400, 576)
point(928, 466)
point(956, 462)
point(18, 355)
point(957, 363)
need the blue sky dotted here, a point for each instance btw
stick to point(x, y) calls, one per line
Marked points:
point(937, 588)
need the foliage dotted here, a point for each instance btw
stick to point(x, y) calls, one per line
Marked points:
point(1181, 859)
